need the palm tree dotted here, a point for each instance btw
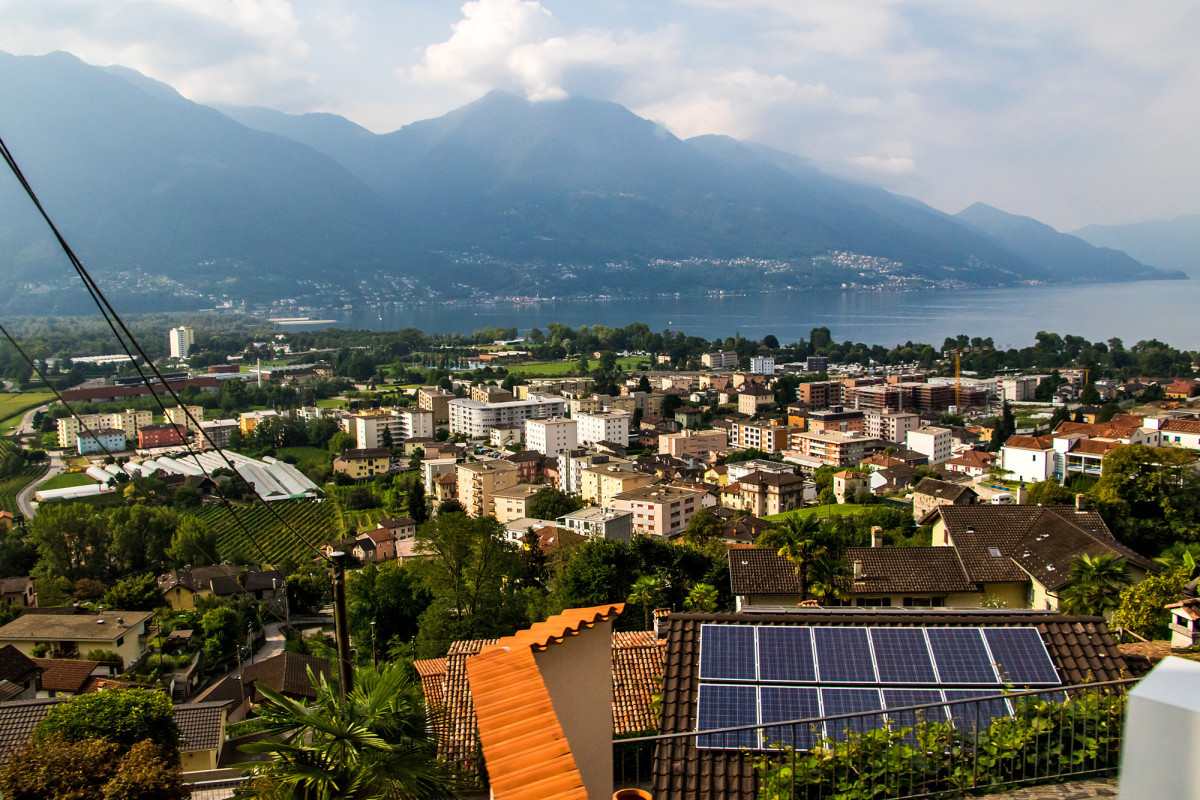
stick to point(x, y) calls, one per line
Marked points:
point(800, 546)
point(702, 597)
point(1096, 584)
point(375, 742)
point(829, 579)
point(647, 593)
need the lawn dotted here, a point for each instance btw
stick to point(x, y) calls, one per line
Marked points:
point(13, 407)
point(67, 479)
point(821, 512)
point(330, 402)
point(562, 368)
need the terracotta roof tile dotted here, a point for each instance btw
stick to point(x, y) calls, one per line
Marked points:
point(17, 721)
point(65, 674)
point(885, 570)
point(1030, 442)
point(637, 668)
point(15, 666)
point(433, 681)
point(201, 725)
point(287, 673)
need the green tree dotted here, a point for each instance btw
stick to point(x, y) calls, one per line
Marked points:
point(1143, 606)
point(139, 593)
point(194, 543)
point(308, 592)
point(1006, 426)
point(1149, 496)
point(121, 716)
point(90, 769)
point(647, 593)
point(702, 597)
point(71, 540)
point(417, 507)
point(1050, 493)
point(829, 579)
point(388, 595)
point(552, 503)
point(376, 742)
point(1096, 584)
point(141, 536)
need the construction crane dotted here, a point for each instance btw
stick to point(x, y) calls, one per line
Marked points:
point(958, 351)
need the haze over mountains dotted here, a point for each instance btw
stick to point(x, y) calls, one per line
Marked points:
point(185, 203)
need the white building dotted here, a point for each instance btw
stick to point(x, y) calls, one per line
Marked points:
point(127, 421)
point(604, 426)
point(1028, 458)
point(722, 359)
point(891, 426)
point(180, 341)
point(936, 443)
point(762, 365)
point(96, 441)
point(598, 522)
point(1017, 389)
point(475, 420)
point(401, 423)
point(551, 436)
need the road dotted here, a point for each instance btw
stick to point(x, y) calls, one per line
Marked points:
point(25, 496)
point(272, 647)
point(26, 426)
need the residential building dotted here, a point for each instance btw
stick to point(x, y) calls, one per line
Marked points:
point(478, 481)
point(401, 424)
point(722, 359)
point(659, 510)
point(693, 444)
point(162, 435)
point(935, 442)
point(603, 426)
point(18, 591)
point(363, 462)
point(474, 419)
point(816, 364)
point(248, 421)
point(931, 493)
point(890, 426)
point(762, 365)
point(490, 394)
point(599, 522)
point(768, 437)
point(820, 394)
point(837, 418)
point(1180, 433)
point(431, 398)
point(688, 416)
point(181, 588)
point(504, 435)
point(74, 635)
point(847, 484)
point(401, 528)
point(375, 546)
point(752, 398)
point(1182, 389)
point(601, 483)
point(765, 493)
point(67, 677)
point(572, 463)
point(740, 469)
point(1028, 459)
point(18, 675)
point(180, 341)
point(831, 448)
point(100, 440)
point(178, 415)
point(972, 462)
point(431, 468)
point(127, 421)
point(216, 432)
point(1016, 390)
point(514, 502)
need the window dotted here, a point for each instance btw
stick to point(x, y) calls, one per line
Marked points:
point(120, 641)
point(873, 602)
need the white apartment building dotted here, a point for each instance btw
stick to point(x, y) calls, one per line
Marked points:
point(659, 510)
point(180, 341)
point(1014, 389)
point(891, 426)
point(762, 365)
point(722, 359)
point(934, 442)
point(100, 439)
point(768, 438)
point(598, 522)
point(551, 436)
point(475, 420)
point(693, 444)
point(604, 426)
point(401, 423)
point(127, 421)
point(572, 463)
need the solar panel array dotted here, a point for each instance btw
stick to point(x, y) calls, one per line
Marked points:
point(756, 675)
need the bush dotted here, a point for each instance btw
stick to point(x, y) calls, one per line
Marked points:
point(107, 657)
point(121, 716)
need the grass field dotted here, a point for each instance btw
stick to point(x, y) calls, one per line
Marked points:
point(316, 521)
point(11, 486)
point(67, 479)
point(306, 457)
point(550, 369)
point(13, 407)
point(821, 512)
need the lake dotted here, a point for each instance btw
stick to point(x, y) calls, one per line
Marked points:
point(1164, 310)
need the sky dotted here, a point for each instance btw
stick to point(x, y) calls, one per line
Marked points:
point(1070, 111)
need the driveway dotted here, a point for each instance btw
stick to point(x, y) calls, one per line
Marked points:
point(25, 496)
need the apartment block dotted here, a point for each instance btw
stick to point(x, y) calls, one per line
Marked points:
point(933, 441)
point(820, 394)
point(752, 398)
point(162, 435)
point(478, 482)
point(891, 426)
point(551, 436)
point(837, 419)
point(693, 444)
point(832, 448)
point(763, 493)
point(432, 398)
point(601, 483)
point(604, 426)
point(363, 462)
point(216, 432)
point(127, 421)
point(1016, 389)
point(474, 419)
point(722, 359)
point(179, 416)
point(248, 421)
point(758, 436)
point(514, 502)
point(659, 510)
point(484, 393)
point(401, 424)
point(97, 440)
point(762, 365)
point(180, 341)
point(598, 522)
point(816, 364)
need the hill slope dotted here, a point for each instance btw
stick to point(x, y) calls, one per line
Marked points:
point(1165, 243)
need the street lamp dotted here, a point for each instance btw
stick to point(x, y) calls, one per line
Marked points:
point(374, 657)
point(250, 640)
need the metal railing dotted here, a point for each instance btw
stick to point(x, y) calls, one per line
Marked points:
point(933, 750)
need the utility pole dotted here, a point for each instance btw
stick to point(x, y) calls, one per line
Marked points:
point(341, 626)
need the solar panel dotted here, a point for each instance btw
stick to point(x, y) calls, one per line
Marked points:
point(726, 706)
point(787, 703)
point(902, 655)
point(1020, 656)
point(899, 698)
point(960, 655)
point(843, 655)
point(786, 654)
point(727, 653)
point(851, 701)
point(975, 717)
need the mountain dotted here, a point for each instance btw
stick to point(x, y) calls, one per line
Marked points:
point(1065, 257)
point(1167, 243)
point(180, 204)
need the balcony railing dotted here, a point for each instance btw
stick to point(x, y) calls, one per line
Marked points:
point(935, 750)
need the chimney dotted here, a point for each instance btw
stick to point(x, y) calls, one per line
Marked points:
point(858, 570)
point(877, 536)
point(661, 615)
point(1081, 503)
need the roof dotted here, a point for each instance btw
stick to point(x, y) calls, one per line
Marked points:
point(105, 627)
point(526, 752)
point(432, 672)
point(65, 674)
point(392, 523)
point(17, 721)
point(885, 570)
point(637, 668)
point(780, 479)
point(18, 585)
point(944, 490)
point(744, 529)
point(201, 726)
point(1080, 647)
point(1030, 442)
point(227, 691)
point(1037, 541)
point(656, 494)
point(356, 453)
point(1181, 426)
point(15, 666)
point(973, 458)
point(287, 673)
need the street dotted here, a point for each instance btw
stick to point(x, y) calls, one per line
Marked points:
point(25, 496)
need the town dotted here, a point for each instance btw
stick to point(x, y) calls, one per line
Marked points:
point(574, 541)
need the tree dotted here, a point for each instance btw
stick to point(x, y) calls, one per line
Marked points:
point(376, 742)
point(1050, 493)
point(1006, 426)
point(770, 342)
point(308, 592)
point(646, 592)
point(417, 509)
point(58, 769)
point(140, 593)
point(146, 773)
point(194, 543)
point(387, 437)
point(141, 536)
point(533, 560)
point(450, 505)
point(829, 579)
point(1149, 496)
point(1142, 609)
point(121, 716)
point(552, 503)
point(701, 597)
point(1096, 584)
point(71, 540)
point(388, 595)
